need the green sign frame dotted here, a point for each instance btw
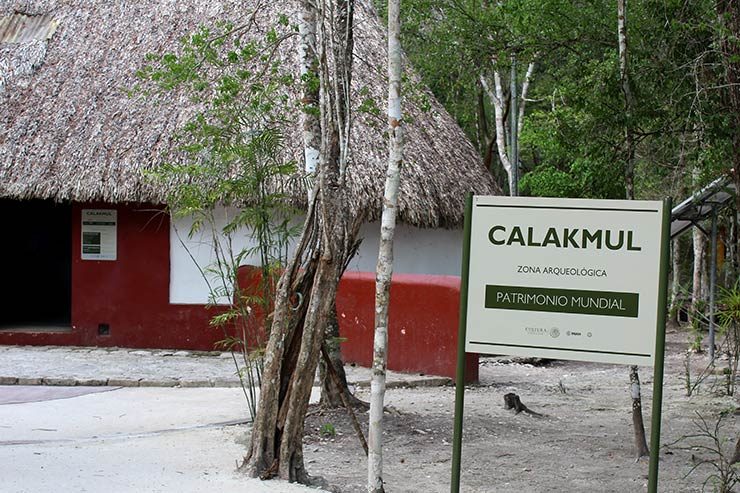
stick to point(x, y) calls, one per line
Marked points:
point(525, 298)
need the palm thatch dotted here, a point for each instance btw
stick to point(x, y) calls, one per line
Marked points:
point(70, 132)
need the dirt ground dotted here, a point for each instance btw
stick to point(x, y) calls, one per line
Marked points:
point(584, 442)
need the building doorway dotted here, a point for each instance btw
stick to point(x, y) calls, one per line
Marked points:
point(36, 255)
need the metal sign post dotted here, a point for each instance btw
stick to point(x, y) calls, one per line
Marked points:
point(564, 279)
point(460, 377)
point(657, 410)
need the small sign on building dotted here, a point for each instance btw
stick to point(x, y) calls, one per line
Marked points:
point(99, 234)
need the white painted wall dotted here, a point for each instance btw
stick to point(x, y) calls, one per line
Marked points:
point(416, 251)
point(187, 283)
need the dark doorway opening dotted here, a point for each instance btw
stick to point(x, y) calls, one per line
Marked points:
point(36, 256)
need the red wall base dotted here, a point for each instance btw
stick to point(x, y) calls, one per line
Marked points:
point(422, 330)
point(131, 296)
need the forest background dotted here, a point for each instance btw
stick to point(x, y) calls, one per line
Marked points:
point(657, 117)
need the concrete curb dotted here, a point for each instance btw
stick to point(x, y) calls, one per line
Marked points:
point(88, 367)
point(116, 382)
point(410, 383)
point(219, 383)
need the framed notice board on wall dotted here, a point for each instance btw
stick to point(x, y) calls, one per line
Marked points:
point(99, 234)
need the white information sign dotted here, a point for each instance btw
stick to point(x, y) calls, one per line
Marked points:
point(99, 234)
point(564, 278)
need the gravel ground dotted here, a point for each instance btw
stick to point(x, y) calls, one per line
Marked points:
point(582, 443)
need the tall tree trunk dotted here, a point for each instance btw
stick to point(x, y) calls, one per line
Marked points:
point(641, 448)
point(308, 61)
point(499, 98)
point(732, 247)
point(629, 100)
point(303, 308)
point(330, 392)
point(638, 426)
point(485, 141)
point(524, 93)
point(309, 70)
point(306, 291)
point(676, 246)
point(487, 138)
point(384, 270)
point(481, 123)
point(696, 281)
point(705, 266)
point(675, 280)
point(696, 289)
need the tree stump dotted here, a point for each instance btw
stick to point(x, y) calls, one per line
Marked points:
point(512, 401)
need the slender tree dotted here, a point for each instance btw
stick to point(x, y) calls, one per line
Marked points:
point(641, 447)
point(501, 100)
point(384, 270)
point(698, 242)
point(629, 100)
point(675, 281)
point(676, 301)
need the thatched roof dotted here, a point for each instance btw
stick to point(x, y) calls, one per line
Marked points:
point(69, 131)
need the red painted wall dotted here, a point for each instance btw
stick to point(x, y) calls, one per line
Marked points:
point(131, 295)
point(422, 330)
